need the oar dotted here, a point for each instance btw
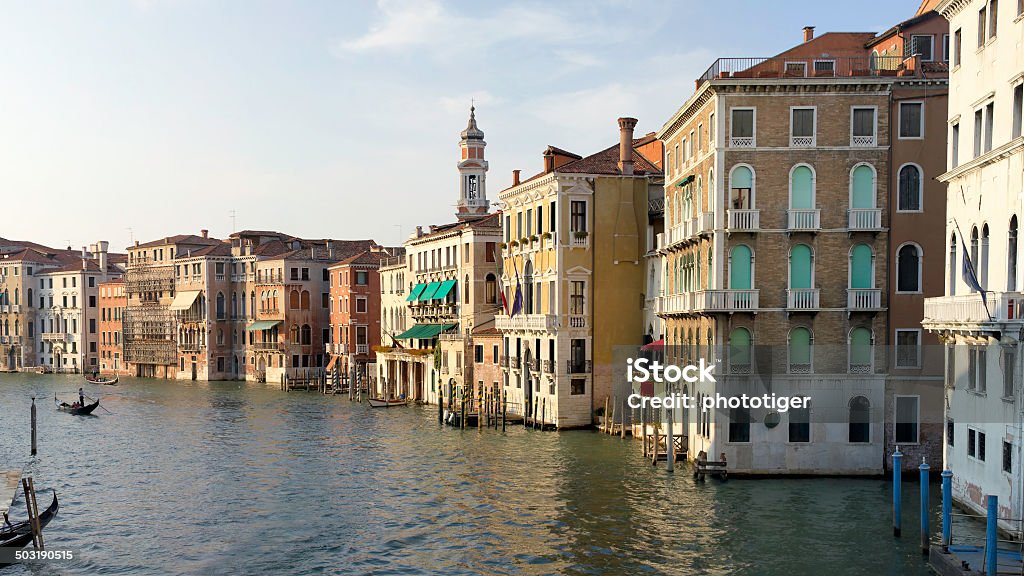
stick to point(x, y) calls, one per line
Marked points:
point(101, 405)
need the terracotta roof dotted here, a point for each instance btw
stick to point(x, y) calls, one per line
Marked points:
point(607, 162)
point(179, 239)
point(920, 17)
point(489, 331)
point(492, 220)
point(832, 43)
point(368, 257)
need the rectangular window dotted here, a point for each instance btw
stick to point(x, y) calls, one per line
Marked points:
point(800, 425)
point(945, 47)
point(980, 451)
point(693, 139)
point(577, 355)
point(743, 127)
point(92, 301)
point(362, 278)
point(824, 67)
point(908, 348)
point(739, 425)
point(950, 433)
point(907, 418)
point(578, 219)
point(979, 117)
point(92, 280)
point(957, 46)
point(982, 22)
point(972, 442)
point(508, 229)
point(1018, 109)
point(529, 222)
point(360, 335)
point(924, 45)
point(92, 325)
point(478, 353)
point(577, 386)
point(576, 289)
point(954, 142)
point(711, 129)
point(982, 369)
point(1007, 456)
point(494, 354)
point(1009, 362)
point(911, 120)
point(361, 305)
point(700, 138)
point(863, 127)
point(801, 127)
point(683, 150)
point(519, 225)
point(972, 368)
point(990, 112)
point(993, 18)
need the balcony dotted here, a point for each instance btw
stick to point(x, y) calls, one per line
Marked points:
point(362, 349)
point(267, 346)
point(579, 367)
point(549, 366)
point(744, 220)
point(804, 219)
point(437, 310)
point(802, 298)
point(707, 223)
point(864, 299)
point(726, 300)
point(580, 240)
point(863, 141)
point(577, 321)
point(10, 340)
point(513, 362)
point(55, 337)
point(865, 219)
point(809, 67)
point(801, 141)
point(969, 312)
point(536, 322)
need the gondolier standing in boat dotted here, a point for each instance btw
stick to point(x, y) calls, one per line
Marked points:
point(81, 397)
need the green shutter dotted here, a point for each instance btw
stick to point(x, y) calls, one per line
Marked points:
point(800, 346)
point(741, 178)
point(801, 189)
point(739, 268)
point(860, 347)
point(860, 267)
point(800, 267)
point(739, 347)
point(863, 188)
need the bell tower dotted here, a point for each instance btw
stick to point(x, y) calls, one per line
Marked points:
point(473, 202)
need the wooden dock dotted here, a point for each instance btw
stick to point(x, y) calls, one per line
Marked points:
point(10, 480)
point(969, 560)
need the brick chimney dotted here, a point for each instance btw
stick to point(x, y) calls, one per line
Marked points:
point(549, 161)
point(204, 233)
point(808, 33)
point(515, 177)
point(626, 126)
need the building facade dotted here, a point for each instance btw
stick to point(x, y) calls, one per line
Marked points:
point(574, 240)
point(355, 314)
point(112, 302)
point(979, 319)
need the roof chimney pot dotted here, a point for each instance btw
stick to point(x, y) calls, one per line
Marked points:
point(626, 126)
point(205, 233)
point(808, 33)
point(515, 177)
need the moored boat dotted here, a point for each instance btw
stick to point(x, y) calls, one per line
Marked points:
point(19, 534)
point(382, 403)
point(101, 380)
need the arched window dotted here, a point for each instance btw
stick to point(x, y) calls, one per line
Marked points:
point(243, 305)
point(1011, 258)
point(860, 351)
point(293, 299)
point(862, 187)
point(711, 187)
point(801, 188)
point(800, 355)
point(983, 272)
point(741, 188)
point(697, 206)
point(739, 351)
point(974, 251)
point(860, 420)
point(491, 288)
point(304, 300)
point(307, 335)
point(952, 265)
point(252, 302)
point(220, 305)
point(28, 299)
point(17, 297)
point(741, 263)
point(234, 305)
point(528, 288)
point(909, 189)
point(465, 290)
point(861, 267)
point(801, 267)
point(17, 328)
point(908, 268)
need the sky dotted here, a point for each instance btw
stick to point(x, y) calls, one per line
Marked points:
point(139, 119)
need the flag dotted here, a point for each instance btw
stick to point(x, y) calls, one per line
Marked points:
point(969, 275)
point(517, 300)
point(501, 285)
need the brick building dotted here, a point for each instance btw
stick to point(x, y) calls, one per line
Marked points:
point(355, 314)
point(112, 302)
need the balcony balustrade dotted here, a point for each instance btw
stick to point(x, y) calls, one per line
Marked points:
point(802, 298)
point(869, 219)
point(864, 299)
point(744, 220)
point(804, 219)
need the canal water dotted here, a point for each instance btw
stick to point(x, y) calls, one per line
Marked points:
point(225, 478)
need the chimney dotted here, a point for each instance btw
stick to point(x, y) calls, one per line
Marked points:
point(85, 258)
point(549, 161)
point(808, 33)
point(136, 243)
point(101, 248)
point(515, 177)
point(205, 233)
point(626, 126)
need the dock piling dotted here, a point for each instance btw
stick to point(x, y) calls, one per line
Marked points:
point(992, 535)
point(897, 478)
point(33, 425)
point(925, 528)
point(947, 509)
point(504, 403)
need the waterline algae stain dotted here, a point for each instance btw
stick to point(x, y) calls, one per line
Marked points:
point(223, 478)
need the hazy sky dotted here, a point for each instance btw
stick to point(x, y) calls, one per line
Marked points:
point(335, 119)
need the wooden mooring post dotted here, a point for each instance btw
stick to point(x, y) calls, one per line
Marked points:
point(33, 425)
point(29, 488)
point(611, 419)
point(604, 428)
point(622, 431)
point(504, 404)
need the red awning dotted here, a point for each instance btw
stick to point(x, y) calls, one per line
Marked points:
point(331, 363)
point(656, 346)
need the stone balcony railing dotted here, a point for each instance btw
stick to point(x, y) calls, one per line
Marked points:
point(362, 349)
point(584, 367)
point(537, 322)
point(708, 301)
point(10, 340)
point(804, 219)
point(869, 219)
point(744, 220)
point(803, 298)
point(55, 337)
point(864, 299)
point(267, 346)
point(10, 309)
point(969, 311)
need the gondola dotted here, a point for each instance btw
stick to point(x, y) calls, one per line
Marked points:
point(19, 534)
point(75, 409)
point(101, 380)
point(382, 403)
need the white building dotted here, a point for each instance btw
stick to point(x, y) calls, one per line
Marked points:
point(983, 440)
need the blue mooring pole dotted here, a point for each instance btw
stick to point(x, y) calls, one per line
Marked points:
point(897, 471)
point(991, 535)
point(925, 531)
point(947, 509)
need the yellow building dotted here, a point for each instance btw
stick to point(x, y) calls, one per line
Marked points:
point(574, 241)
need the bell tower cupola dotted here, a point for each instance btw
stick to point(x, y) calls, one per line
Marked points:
point(473, 202)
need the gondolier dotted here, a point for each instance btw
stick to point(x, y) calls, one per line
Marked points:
point(81, 397)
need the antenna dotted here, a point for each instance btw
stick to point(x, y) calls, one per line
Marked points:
point(131, 235)
point(233, 227)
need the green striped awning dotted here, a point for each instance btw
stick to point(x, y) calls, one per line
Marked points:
point(262, 325)
point(424, 331)
point(428, 292)
point(416, 291)
point(443, 290)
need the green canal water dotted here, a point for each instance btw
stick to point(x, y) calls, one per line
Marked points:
point(224, 478)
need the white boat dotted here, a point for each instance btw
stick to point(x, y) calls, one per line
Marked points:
point(382, 403)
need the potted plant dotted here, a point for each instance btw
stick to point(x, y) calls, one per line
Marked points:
point(524, 240)
point(382, 349)
point(546, 235)
point(503, 245)
point(580, 234)
point(513, 243)
point(534, 238)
